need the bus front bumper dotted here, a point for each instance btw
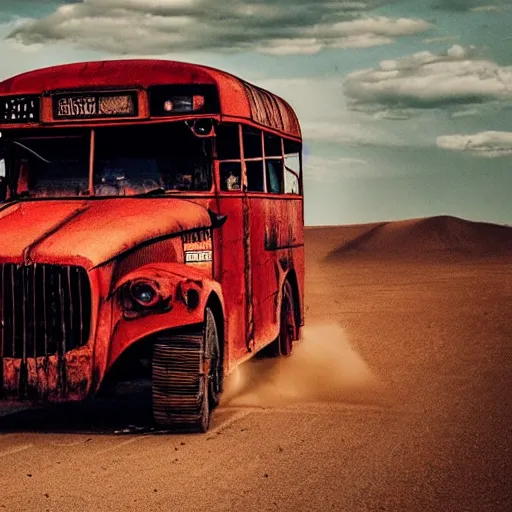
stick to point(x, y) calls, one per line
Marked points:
point(51, 378)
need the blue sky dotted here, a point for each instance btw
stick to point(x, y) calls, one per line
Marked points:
point(406, 106)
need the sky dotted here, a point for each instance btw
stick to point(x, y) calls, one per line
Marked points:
point(405, 106)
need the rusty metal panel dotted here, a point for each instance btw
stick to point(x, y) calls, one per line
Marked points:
point(53, 378)
point(277, 232)
point(231, 274)
point(11, 373)
point(269, 110)
point(284, 225)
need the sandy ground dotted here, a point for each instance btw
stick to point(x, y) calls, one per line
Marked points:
point(398, 398)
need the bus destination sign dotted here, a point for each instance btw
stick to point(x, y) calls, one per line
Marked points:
point(19, 109)
point(95, 105)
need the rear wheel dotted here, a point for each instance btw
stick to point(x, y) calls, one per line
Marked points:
point(187, 377)
point(283, 344)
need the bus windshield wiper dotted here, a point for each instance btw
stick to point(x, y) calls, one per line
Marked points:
point(26, 148)
point(153, 192)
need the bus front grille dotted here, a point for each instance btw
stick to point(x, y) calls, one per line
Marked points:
point(44, 309)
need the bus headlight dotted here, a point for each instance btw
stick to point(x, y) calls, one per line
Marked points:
point(144, 293)
point(144, 296)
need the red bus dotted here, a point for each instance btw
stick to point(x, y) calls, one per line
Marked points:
point(151, 219)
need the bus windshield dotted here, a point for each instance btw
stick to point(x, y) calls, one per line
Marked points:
point(127, 161)
point(138, 159)
point(48, 166)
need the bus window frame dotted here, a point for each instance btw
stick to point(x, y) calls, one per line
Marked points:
point(299, 174)
point(218, 162)
point(263, 159)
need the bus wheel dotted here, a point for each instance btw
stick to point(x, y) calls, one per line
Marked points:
point(283, 344)
point(213, 354)
point(187, 377)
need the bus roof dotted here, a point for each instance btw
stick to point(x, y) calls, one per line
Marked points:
point(238, 98)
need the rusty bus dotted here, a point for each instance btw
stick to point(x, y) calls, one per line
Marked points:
point(150, 211)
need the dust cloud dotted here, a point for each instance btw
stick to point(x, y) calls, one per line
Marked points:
point(323, 368)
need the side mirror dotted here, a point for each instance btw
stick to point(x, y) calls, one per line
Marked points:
point(217, 220)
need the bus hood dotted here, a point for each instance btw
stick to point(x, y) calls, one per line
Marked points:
point(91, 232)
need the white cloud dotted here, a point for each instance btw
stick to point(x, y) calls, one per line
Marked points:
point(470, 112)
point(295, 46)
point(394, 115)
point(278, 27)
point(457, 52)
point(359, 33)
point(428, 80)
point(488, 144)
point(363, 41)
point(440, 39)
point(379, 26)
point(487, 8)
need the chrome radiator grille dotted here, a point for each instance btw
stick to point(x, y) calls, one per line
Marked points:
point(44, 309)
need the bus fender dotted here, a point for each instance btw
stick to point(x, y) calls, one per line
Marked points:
point(183, 290)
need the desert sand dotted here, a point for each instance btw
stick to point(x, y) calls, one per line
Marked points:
point(398, 397)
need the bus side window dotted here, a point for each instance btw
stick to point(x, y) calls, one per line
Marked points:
point(255, 181)
point(273, 163)
point(228, 142)
point(230, 176)
point(252, 142)
point(274, 173)
point(292, 167)
point(272, 145)
point(253, 155)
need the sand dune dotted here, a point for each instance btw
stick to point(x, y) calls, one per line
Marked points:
point(439, 238)
point(395, 399)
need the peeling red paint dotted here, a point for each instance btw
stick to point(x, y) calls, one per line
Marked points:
point(94, 230)
point(11, 374)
